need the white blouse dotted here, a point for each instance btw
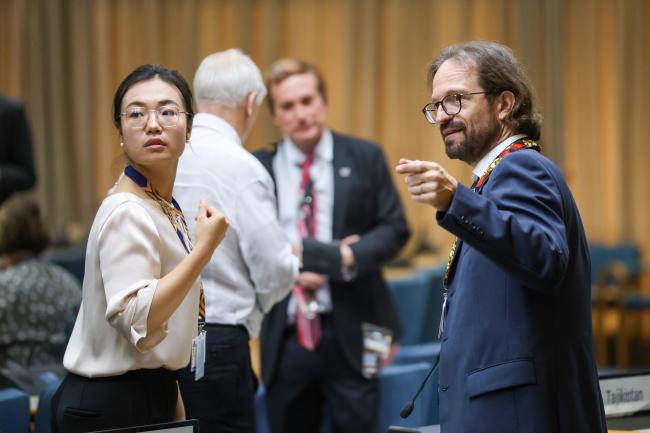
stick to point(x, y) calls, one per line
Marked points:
point(131, 245)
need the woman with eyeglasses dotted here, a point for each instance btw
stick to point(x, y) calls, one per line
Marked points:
point(141, 302)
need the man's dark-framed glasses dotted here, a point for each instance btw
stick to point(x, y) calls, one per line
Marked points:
point(451, 104)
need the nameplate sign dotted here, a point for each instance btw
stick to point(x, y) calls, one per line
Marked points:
point(626, 395)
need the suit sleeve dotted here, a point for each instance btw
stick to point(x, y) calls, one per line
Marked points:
point(387, 228)
point(517, 222)
point(17, 171)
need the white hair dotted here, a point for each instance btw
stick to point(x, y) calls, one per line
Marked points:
point(227, 78)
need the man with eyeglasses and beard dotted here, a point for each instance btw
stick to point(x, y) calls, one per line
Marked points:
point(517, 352)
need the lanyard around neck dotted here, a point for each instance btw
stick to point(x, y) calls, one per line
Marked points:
point(515, 146)
point(171, 210)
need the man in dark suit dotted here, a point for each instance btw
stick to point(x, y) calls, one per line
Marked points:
point(517, 352)
point(16, 162)
point(336, 195)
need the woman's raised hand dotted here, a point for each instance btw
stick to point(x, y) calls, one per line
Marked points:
point(211, 226)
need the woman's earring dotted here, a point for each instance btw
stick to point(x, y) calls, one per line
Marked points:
point(121, 144)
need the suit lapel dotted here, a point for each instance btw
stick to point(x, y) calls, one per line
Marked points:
point(343, 175)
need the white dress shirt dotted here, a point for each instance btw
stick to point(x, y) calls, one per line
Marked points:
point(484, 163)
point(288, 177)
point(131, 245)
point(253, 267)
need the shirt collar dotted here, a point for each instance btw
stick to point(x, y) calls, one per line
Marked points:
point(485, 162)
point(216, 123)
point(324, 150)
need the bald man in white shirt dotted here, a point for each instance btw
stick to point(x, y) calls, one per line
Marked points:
point(254, 267)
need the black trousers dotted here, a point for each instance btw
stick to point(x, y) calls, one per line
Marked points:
point(136, 398)
point(309, 384)
point(224, 399)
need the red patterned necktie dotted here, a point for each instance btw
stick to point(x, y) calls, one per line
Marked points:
point(308, 325)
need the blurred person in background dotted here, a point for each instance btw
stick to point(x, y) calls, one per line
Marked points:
point(16, 160)
point(142, 302)
point(337, 200)
point(37, 299)
point(253, 267)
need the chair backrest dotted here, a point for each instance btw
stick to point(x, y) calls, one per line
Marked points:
point(398, 384)
point(418, 302)
point(434, 304)
point(604, 255)
point(14, 411)
point(412, 354)
point(261, 417)
point(30, 380)
point(43, 421)
point(72, 259)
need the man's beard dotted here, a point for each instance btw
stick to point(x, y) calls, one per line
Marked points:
point(474, 146)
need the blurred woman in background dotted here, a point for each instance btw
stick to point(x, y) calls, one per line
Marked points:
point(37, 299)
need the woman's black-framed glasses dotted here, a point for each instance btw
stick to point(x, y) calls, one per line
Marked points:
point(451, 104)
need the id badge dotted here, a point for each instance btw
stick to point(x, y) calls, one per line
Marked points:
point(376, 348)
point(197, 361)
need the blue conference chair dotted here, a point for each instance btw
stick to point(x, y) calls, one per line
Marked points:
point(398, 384)
point(43, 421)
point(415, 353)
point(434, 303)
point(261, 418)
point(14, 411)
point(71, 258)
point(602, 256)
point(616, 272)
point(418, 299)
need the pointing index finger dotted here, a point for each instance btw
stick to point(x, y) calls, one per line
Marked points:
point(407, 166)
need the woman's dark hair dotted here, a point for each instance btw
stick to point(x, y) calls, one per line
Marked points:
point(497, 70)
point(21, 226)
point(148, 72)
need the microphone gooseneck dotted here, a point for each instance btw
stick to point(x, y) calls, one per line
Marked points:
point(407, 409)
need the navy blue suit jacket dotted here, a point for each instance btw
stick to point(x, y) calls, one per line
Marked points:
point(365, 203)
point(517, 352)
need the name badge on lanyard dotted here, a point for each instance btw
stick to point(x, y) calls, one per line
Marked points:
point(197, 361)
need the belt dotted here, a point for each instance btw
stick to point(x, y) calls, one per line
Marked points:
point(222, 326)
point(143, 374)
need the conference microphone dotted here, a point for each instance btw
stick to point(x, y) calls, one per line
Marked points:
point(407, 409)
